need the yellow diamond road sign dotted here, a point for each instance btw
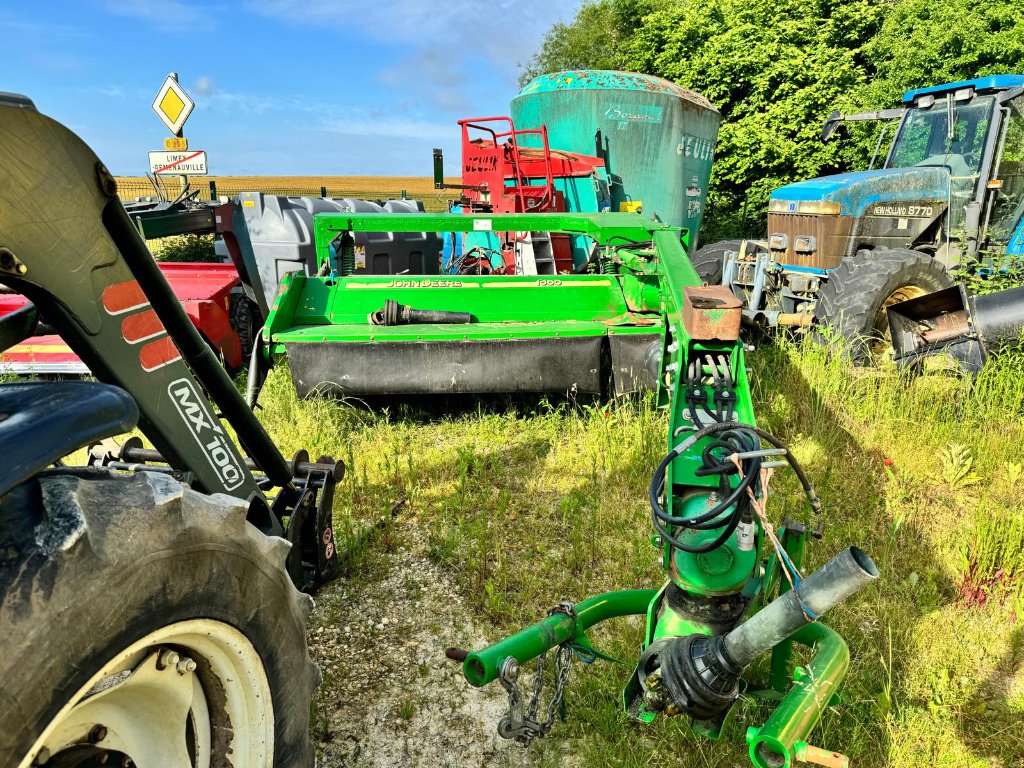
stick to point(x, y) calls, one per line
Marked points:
point(172, 105)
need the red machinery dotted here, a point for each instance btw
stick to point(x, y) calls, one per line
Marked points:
point(500, 175)
point(204, 291)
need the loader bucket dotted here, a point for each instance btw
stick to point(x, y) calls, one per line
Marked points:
point(478, 333)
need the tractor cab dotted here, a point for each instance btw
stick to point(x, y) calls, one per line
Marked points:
point(952, 176)
point(841, 248)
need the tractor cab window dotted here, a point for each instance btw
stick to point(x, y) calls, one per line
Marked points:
point(1008, 202)
point(925, 139)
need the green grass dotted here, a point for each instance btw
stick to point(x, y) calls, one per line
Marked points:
point(528, 502)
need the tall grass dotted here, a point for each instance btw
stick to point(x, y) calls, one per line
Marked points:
point(527, 503)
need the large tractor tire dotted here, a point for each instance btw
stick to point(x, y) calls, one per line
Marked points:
point(709, 260)
point(147, 624)
point(852, 302)
point(246, 321)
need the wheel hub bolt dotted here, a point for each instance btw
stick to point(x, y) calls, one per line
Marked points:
point(97, 734)
point(42, 757)
point(166, 659)
point(186, 665)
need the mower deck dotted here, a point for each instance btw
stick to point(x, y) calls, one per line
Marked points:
point(525, 333)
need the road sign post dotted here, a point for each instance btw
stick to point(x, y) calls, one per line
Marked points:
point(173, 106)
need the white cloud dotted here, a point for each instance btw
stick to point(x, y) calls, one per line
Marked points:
point(358, 125)
point(449, 84)
point(110, 91)
point(507, 30)
point(332, 117)
point(170, 15)
point(204, 86)
point(446, 40)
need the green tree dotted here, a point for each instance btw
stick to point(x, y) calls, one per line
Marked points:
point(594, 39)
point(776, 68)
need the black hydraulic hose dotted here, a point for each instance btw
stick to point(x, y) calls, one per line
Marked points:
point(728, 501)
point(658, 483)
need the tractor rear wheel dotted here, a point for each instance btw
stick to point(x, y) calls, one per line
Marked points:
point(852, 302)
point(147, 624)
point(709, 260)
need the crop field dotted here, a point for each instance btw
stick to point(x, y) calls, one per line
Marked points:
point(502, 508)
point(372, 187)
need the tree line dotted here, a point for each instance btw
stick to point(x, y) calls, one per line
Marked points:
point(777, 68)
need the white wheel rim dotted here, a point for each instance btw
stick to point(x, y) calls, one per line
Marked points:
point(211, 703)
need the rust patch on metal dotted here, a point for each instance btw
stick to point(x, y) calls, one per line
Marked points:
point(711, 312)
point(944, 327)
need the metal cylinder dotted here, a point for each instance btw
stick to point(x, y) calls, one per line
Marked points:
point(777, 741)
point(657, 138)
point(835, 581)
point(393, 313)
point(998, 318)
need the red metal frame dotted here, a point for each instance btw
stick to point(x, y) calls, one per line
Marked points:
point(491, 161)
point(203, 289)
point(488, 163)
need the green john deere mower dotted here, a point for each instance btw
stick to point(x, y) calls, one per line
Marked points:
point(471, 333)
point(540, 288)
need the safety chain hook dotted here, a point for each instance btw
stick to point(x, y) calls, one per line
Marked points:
point(525, 727)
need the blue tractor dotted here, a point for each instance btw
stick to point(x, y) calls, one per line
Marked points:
point(842, 248)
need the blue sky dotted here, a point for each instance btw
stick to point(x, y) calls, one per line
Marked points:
point(282, 87)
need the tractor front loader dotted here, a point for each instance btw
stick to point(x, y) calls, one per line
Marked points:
point(150, 604)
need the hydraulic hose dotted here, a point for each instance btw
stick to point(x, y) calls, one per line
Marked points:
point(661, 518)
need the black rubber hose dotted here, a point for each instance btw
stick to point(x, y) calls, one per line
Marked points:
point(711, 514)
point(658, 483)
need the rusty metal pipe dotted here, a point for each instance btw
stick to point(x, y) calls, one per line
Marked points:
point(795, 319)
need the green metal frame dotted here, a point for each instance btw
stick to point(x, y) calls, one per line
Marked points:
point(642, 290)
point(334, 308)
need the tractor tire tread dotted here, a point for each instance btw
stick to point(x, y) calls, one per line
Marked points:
point(91, 561)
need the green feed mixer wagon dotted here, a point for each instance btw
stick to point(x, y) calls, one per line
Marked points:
point(529, 298)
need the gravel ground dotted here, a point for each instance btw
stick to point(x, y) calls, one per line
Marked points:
point(389, 696)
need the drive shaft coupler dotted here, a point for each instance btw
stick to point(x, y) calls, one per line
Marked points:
point(393, 313)
point(699, 676)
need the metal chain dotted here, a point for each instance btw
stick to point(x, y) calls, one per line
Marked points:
point(524, 728)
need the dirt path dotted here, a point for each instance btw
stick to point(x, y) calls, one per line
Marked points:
point(389, 697)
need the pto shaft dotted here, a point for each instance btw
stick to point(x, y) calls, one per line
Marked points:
point(828, 586)
point(394, 313)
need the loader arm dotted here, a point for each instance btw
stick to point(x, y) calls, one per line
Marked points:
point(68, 245)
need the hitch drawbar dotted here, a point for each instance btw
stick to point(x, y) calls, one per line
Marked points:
point(393, 313)
point(699, 674)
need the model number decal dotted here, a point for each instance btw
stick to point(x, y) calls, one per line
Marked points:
point(915, 211)
point(207, 432)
